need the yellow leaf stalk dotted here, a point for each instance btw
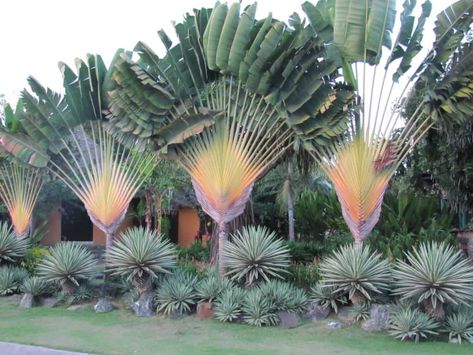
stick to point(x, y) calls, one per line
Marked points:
point(19, 190)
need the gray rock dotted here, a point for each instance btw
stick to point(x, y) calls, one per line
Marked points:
point(316, 313)
point(334, 325)
point(78, 307)
point(345, 315)
point(454, 341)
point(205, 310)
point(27, 301)
point(15, 297)
point(144, 307)
point(288, 319)
point(48, 302)
point(103, 306)
point(379, 318)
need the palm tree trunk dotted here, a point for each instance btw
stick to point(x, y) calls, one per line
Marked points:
point(290, 205)
point(108, 242)
point(222, 230)
point(159, 211)
point(148, 208)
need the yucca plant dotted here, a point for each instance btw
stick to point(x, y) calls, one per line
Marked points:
point(229, 304)
point(460, 325)
point(408, 323)
point(11, 247)
point(67, 264)
point(357, 271)
point(326, 296)
point(176, 293)
point(284, 296)
point(255, 254)
point(11, 277)
point(19, 191)
point(360, 312)
point(211, 287)
point(361, 163)
point(140, 255)
point(258, 310)
point(34, 286)
point(434, 274)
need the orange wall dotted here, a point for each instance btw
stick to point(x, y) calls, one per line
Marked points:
point(98, 236)
point(188, 226)
point(53, 226)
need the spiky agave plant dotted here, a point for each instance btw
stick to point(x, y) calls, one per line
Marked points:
point(229, 304)
point(255, 254)
point(409, 323)
point(140, 255)
point(361, 163)
point(11, 247)
point(459, 325)
point(327, 296)
point(434, 274)
point(19, 190)
point(255, 84)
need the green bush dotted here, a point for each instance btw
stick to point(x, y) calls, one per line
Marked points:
point(327, 296)
point(210, 287)
point(66, 264)
point(460, 325)
point(176, 293)
point(33, 258)
point(408, 323)
point(304, 252)
point(197, 251)
point(254, 254)
point(140, 256)
point(11, 247)
point(228, 306)
point(82, 294)
point(434, 274)
point(257, 309)
point(360, 312)
point(356, 271)
point(303, 275)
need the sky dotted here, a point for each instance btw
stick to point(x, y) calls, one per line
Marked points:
point(36, 35)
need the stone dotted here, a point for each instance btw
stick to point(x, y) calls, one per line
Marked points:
point(345, 315)
point(334, 325)
point(48, 302)
point(379, 318)
point(205, 311)
point(288, 319)
point(78, 307)
point(27, 301)
point(316, 313)
point(103, 306)
point(15, 297)
point(144, 307)
point(454, 341)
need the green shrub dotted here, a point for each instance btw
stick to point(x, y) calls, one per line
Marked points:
point(360, 312)
point(35, 286)
point(303, 275)
point(82, 294)
point(434, 274)
point(257, 309)
point(11, 247)
point(460, 325)
point(356, 271)
point(304, 252)
point(327, 296)
point(408, 323)
point(33, 258)
point(140, 256)
point(197, 251)
point(176, 293)
point(66, 264)
point(11, 277)
point(210, 287)
point(283, 296)
point(228, 306)
point(255, 254)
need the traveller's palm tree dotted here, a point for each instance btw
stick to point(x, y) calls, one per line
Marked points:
point(361, 163)
point(259, 83)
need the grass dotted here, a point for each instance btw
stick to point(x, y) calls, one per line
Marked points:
point(120, 332)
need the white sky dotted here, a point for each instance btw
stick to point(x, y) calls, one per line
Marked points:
point(36, 34)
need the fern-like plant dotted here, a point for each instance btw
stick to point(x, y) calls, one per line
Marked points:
point(357, 271)
point(327, 296)
point(254, 254)
point(67, 264)
point(228, 306)
point(176, 293)
point(12, 248)
point(140, 255)
point(409, 323)
point(434, 274)
point(258, 310)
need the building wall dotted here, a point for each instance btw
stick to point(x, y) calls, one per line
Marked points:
point(188, 226)
point(54, 227)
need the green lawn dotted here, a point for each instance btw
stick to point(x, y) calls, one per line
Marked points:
point(120, 332)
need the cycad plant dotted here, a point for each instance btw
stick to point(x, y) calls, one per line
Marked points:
point(67, 264)
point(140, 255)
point(19, 190)
point(248, 87)
point(361, 163)
point(433, 275)
point(11, 247)
point(255, 254)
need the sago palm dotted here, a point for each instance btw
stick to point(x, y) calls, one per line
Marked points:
point(375, 62)
point(253, 85)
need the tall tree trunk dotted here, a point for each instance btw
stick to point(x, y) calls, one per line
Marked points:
point(108, 243)
point(159, 211)
point(148, 208)
point(222, 238)
point(290, 205)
